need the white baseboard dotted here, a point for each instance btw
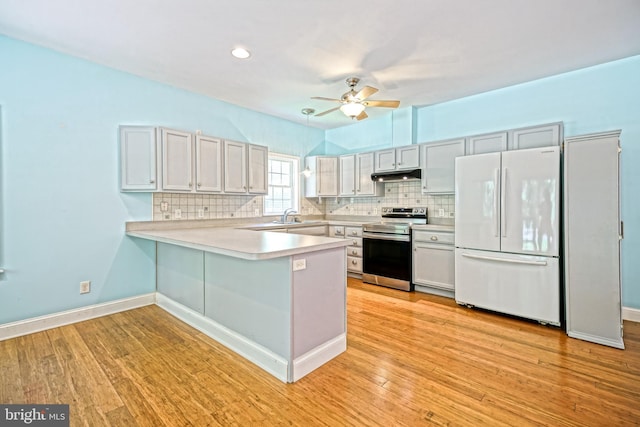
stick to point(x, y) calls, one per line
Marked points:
point(596, 339)
point(317, 357)
point(41, 323)
point(631, 314)
point(275, 364)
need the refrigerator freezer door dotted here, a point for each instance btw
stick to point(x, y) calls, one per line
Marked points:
point(530, 201)
point(478, 201)
point(520, 285)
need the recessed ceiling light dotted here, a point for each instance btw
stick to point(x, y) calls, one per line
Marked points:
point(240, 53)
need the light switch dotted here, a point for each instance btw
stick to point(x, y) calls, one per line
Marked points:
point(299, 264)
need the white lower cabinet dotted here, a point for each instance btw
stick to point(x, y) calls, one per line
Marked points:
point(354, 250)
point(434, 260)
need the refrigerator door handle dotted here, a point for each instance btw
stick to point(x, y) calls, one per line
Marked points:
point(503, 196)
point(512, 261)
point(496, 208)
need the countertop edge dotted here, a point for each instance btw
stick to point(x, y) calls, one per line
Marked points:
point(337, 243)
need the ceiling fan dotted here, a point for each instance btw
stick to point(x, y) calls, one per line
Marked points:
point(354, 102)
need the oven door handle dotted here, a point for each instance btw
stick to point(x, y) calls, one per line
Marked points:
point(381, 236)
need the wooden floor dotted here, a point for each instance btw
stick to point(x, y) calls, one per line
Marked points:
point(412, 359)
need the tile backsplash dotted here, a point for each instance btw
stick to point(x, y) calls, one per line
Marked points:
point(173, 206)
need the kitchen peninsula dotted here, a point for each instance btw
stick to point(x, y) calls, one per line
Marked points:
point(277, 299)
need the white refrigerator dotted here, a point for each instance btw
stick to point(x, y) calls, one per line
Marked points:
point(507, 232)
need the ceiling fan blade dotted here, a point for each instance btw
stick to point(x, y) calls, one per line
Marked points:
point(362, 116)
point(322, 98)
point(366, 92)
point(387, 104)
point(327, 112)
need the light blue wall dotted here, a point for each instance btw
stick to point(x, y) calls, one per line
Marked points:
point(63, 216)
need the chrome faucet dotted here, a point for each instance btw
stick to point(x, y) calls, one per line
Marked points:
point(286, 213)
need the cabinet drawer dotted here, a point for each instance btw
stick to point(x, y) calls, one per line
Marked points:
point(355, 241)
point(353, 251)
point(354, 264)
point(353, 231)
point(433, 237)
point(336, 231)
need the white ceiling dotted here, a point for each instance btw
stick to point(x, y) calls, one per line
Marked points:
point(420, 52)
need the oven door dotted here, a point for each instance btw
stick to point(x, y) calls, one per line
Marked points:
point(386, 260)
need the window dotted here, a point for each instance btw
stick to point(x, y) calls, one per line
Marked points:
point(283, 184)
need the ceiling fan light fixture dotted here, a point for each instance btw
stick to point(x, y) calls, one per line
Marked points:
point(352, 109)
point(240, 53)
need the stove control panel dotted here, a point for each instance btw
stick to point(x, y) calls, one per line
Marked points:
point(405, 212)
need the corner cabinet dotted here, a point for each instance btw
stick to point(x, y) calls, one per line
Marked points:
point(439, 159)
point(323, 180)
point(397, 159)
point(139, 158)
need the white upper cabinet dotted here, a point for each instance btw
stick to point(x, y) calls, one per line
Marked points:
point(245, 168)
point(439, 165)
point(235, 167)
point(364, 168)
point(323, 180)
point(258, 168)
point(177, 160)
point(401, 158)
point(208, 164)
point(488, 143)
point(347, 175)
point(535, 136)
point(139, 158)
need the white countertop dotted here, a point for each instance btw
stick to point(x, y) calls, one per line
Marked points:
point(245, 244)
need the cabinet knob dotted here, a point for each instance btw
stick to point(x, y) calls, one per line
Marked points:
point(199, 185)
point(152, 181)
point(244, 187)
point(434, 238)
point(190, 184)
point(354, 252)
point(354, 233)
point(399, 163)
point(355, 243)
point(354, 262)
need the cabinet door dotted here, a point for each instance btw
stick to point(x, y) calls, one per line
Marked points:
point(535, 137)
point(489, 143)
point(439, 166)
point(433, 265)
point(364, 168)
point(258, 164)
point(408, 157)
point(385, 160)
point(235, 167)
point(138, 158)
point(208, 164)
point(347, 175)
point(327, 170)
point(177, 160)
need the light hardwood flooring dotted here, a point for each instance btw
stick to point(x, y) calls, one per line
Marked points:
point(412, 359)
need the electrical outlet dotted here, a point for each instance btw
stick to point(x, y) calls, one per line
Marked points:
point(441, 212)
point(256, 212)
point(177, 214)
point(85, 287)
point(200, 213)
point(452, 214)
point(164, 206)
point(375, 211)
point(299, 264)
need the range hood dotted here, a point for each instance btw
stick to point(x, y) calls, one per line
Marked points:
point(397, 175)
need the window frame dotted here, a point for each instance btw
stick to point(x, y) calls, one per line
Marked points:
point(295, 183)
